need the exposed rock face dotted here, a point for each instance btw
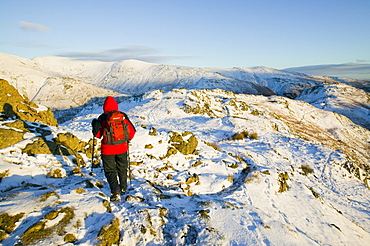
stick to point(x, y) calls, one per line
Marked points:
point(24, 117)
point(13, 105)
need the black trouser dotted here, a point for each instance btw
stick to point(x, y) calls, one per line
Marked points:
point(116, 165)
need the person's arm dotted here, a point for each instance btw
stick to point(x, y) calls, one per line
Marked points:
point(131, 127)
point(97, 126)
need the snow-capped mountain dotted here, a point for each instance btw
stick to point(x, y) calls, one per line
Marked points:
point(62, 83)
point(46, 87)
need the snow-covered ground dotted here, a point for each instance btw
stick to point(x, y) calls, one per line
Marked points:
point(237, 196)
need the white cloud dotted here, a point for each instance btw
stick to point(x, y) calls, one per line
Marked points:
point(137, 52)
point(347, 70)
point(33, 27)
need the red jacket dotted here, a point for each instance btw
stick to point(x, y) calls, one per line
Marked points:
point(111, 105)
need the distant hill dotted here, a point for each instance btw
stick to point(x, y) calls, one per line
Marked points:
point(62, 83)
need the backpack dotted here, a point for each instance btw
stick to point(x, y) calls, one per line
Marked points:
point(115, 130)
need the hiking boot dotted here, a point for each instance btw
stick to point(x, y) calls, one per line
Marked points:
point(115, 197)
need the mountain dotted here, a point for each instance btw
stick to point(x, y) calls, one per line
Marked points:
point(45, 87)
point(208, 167)
point(62, 83)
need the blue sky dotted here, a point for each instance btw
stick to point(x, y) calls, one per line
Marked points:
point(194, 33)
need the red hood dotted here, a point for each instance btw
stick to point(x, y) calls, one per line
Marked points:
point(110, 105)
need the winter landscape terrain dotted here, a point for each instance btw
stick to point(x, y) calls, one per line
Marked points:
point(241, 156)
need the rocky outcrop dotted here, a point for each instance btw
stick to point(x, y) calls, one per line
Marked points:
point(22, 116)
point(13, 105)
point(20, 113)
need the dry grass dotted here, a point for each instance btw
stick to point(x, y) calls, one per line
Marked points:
point(7, 223)
point(107, 206)
point(244, 134)
point(192, 179)
point(283, 185)
point(204, 214)
point(45, 196)
point(109, 234)
point(80, 190)
point(213, 145)
point(39, 231)
point(306, 169)
point(230, 178)
point(56, 173)
point(251, 177)
point(70, 238)
point(240, 136)
point(4, 174)
point(253, 135)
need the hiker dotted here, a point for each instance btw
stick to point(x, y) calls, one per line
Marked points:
point(115, 144)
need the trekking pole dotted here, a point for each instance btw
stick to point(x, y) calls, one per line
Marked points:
point(92, 156)
point(128, 160)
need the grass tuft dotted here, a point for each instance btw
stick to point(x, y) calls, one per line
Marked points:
point(109, 234)
point(204, 214)
point(80, 190)
point(39, 230)
point(283, 184)
point(45, 196)
point(244, 134)
point(70, 238)
point(7, 224)
point(306, 169)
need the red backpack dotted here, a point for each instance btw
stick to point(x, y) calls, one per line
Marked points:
point(115, 131)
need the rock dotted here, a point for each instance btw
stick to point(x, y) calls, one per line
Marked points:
point(13, 105)
point(8, 137)
point(186, 142)
point(71, 141)
point(43, 146)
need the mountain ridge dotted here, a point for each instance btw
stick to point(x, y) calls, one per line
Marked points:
point(75, 82)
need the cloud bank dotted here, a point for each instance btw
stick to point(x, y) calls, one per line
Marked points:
point(137, 52)
point(348, 70)
point(33, 27)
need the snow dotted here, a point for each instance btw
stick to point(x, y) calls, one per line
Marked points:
point(61, 83)
point(244, 210)
point(235, 200)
